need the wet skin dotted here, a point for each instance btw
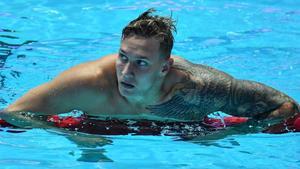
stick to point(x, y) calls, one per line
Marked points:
point(139, 83)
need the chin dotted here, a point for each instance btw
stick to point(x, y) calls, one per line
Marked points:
point(126, 92)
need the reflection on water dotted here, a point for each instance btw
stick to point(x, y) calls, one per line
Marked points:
point(145, 150)
point(90, 146)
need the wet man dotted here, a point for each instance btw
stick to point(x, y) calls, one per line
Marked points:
point(144, 81)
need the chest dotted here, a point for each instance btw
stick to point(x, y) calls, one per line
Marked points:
point(113, 107)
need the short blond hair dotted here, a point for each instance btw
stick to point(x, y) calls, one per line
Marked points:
point(147, 25)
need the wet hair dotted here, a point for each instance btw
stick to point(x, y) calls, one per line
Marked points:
point(148, 26)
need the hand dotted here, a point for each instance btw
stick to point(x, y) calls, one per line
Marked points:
point(25, 120)
point(289, 125)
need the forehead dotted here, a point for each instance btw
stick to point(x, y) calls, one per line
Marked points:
point(141, 46)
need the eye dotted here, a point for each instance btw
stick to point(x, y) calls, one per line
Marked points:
point(142, 63)
point(123, 58)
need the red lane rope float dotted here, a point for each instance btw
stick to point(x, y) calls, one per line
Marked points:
point(223, 122)
point(139, 127)
point(65, 122)
point(146, 127)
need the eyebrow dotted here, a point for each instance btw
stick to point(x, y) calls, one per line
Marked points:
point(138, 56)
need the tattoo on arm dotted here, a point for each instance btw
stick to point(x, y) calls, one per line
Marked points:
point(253, 99)
point(205, 91)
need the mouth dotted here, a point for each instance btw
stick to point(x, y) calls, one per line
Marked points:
point(127, 85)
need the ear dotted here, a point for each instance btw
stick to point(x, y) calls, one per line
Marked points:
point(167, 66)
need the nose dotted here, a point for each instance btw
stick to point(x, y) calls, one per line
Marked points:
point(127, 72)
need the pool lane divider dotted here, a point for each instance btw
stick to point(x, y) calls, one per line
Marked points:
point(117, 127)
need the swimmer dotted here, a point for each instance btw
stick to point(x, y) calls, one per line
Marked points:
point(144, 81)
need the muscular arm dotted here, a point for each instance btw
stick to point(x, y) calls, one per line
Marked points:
point(256, 100)
point(208, 90)
point(73, 89)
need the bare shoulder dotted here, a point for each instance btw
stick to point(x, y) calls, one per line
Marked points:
point(204, 90)
point(196, 69)
point(202, 77)
point(98, 73)
point(82, 86)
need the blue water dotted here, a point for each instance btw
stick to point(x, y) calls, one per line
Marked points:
point(256, 40)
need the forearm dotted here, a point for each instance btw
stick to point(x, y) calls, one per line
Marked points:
point(24, 119)
point(258, 101)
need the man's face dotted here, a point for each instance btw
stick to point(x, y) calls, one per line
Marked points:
point(139, 66)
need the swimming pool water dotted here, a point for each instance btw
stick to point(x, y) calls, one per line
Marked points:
point(256, 40)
